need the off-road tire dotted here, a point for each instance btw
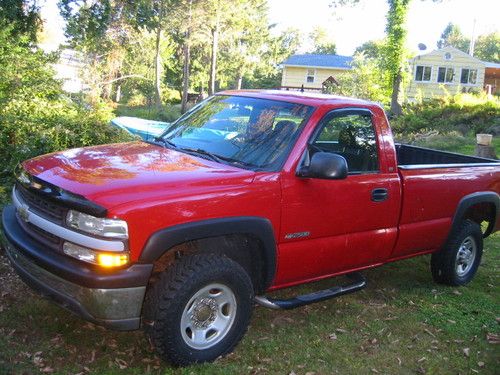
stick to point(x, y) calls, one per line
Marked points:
point(168, 297)
point(443, 262)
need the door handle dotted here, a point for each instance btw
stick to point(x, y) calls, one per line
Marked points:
point(379, 195)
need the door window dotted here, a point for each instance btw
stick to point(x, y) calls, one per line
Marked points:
point(352, 136)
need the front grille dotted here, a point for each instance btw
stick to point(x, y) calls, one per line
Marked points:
point(38, 234)
point(42, 206)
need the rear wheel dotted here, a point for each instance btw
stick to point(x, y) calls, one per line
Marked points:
point(199, 309)
point(457, 262)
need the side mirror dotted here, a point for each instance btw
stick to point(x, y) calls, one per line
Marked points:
point(326, 166)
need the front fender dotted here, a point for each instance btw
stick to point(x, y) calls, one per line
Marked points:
point(261, 228)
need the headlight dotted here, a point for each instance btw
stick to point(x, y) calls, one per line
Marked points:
point(104, 227)
point(22, 176)
point(107, 260)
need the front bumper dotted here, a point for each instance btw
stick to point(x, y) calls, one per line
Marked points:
point(113, 299)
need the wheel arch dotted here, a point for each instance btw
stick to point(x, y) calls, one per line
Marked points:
point(484, 205)
point(252, 236)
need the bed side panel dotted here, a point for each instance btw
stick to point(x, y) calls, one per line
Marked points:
point(430, 199)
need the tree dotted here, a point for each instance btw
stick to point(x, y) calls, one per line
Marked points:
point(152, 14)
point(223, 17)
point(395, 53)
point(322, 42)
point(487, 47)
point(244, 46)
point(365, 80)
point(36, 116)
point(186, 50)
point(99, 31)
point(453, 36)
point(267, 74)
point(373, 49)
point(23, 16)
point(395, 49)
point(107, 32)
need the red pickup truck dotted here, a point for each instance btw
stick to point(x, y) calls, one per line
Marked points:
point(249, 192)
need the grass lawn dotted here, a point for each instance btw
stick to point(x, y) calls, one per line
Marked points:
point(401, 323)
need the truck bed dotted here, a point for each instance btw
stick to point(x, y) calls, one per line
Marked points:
point(413, 157)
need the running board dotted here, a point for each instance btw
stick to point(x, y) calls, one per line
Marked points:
point(358, 283)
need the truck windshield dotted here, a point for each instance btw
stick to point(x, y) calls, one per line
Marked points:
point(248, 132)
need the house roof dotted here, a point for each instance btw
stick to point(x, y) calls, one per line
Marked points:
point(491, 65)
point(456, 50)
point(319, 61)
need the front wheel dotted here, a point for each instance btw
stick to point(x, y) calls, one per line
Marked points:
point(199, 309)
point(457, 262)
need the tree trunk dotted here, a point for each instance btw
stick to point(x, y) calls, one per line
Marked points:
point(396, 109)
point(240, 81)
point(187, 61)
point(185, 76)
point(213, 64)
point(106, 94)
point(158, 62)
point(118, 94)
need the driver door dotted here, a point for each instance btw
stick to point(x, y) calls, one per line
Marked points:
point(332, 226)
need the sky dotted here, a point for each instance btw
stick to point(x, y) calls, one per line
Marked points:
point(352, 26)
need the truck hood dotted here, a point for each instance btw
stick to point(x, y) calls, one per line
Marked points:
point(114, 174)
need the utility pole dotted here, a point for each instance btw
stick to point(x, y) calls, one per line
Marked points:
point(472, 39)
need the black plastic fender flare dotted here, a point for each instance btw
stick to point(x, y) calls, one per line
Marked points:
point(473, 199)
point(261, 228)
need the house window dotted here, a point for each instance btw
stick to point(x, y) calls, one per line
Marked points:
point(447, 56)
point(445, 75)
point(423, 73)
point(311, 73)
point(468, 76)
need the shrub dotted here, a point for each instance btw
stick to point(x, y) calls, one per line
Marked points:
point(167, 113)
point(35, 115)
point(366, 80)
point(466, 114)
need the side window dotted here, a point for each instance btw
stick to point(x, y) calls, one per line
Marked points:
point(445, 75)
point(423, 73)
point(310, 76)
point(351, 135)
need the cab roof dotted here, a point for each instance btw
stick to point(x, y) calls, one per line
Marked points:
point(306, 98)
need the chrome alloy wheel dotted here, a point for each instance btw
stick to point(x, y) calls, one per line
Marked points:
point(208, 316)
point(465, 256)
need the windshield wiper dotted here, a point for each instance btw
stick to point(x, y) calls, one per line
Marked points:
point(202, 152)
point(214, 157)
point(166, 142)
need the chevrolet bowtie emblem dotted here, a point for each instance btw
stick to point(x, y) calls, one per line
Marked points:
point(23, 213)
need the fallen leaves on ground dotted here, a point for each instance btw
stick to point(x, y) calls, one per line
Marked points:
point(493, 338)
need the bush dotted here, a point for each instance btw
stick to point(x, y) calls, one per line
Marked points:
point(35, 115)
point(167, 113)
point(466, 114)
point(367, 80)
